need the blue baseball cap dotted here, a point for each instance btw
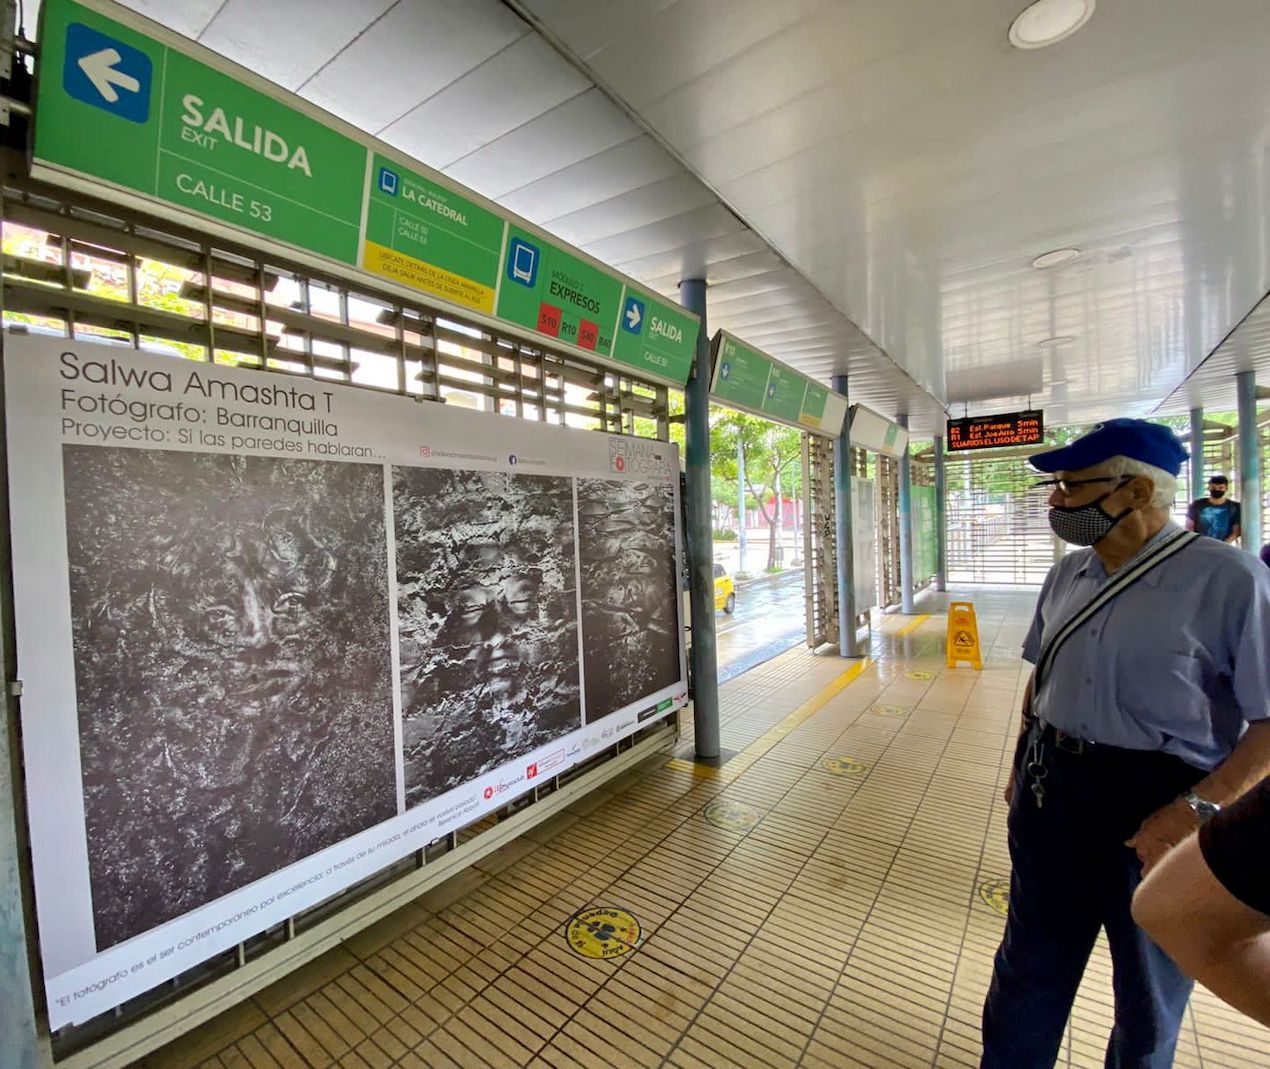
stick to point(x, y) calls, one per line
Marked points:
point(1151, 443)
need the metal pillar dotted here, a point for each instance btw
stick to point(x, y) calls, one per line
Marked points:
point(906, 527)
point(705, 658)
point(740, 502)
point(1197, 452)
point(941, 518)
point(847, 644)
point(1249, 461)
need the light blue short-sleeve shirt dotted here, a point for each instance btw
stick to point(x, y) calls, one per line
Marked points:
point(1178, 662)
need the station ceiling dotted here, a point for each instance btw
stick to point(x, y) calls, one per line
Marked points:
point(864, 185)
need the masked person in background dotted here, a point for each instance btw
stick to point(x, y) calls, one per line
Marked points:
point(1216, 515)
point(1152, 656)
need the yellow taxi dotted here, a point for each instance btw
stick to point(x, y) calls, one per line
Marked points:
point(724, 590)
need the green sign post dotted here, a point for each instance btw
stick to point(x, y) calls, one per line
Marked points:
point(748, 379)
point(925, 537)
point(123, 105)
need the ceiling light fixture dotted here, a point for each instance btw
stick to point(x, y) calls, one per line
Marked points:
point(1055, 258)
point(1054, 342)
point(1046, 22)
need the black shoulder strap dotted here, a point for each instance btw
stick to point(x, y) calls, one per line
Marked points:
point(1158, 554)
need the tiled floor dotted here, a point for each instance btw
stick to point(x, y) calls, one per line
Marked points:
point(852, 925)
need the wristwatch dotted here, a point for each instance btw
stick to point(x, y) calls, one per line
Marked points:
point(1203, 809)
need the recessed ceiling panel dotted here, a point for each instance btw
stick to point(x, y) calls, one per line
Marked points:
point(417, 49)
point(509, 89)
point(573, 131)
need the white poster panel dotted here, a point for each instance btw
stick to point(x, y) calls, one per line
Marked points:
point(864, 539)
point(276, 633)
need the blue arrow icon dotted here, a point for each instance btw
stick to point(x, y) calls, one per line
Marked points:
point(633, 315)
point(106, 73)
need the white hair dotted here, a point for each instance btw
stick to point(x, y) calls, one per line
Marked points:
point(1165, 484)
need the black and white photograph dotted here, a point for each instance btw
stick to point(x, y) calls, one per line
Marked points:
point(487, 607)
point(233, 670)
point(630, 617)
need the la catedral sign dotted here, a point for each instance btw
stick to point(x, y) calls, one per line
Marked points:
point(991, 432)
point(134, 113)
point(748, 379)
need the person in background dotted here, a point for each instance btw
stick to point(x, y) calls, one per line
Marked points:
point(1215, 515)
point(1207, 904)
point(1265, 554)
point(1148, 708)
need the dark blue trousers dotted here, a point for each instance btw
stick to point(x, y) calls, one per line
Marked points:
point(1072, 876)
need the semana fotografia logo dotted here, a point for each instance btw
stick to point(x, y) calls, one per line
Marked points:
point(633, 456)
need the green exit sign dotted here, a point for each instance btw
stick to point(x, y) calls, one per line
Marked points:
point(130, 112)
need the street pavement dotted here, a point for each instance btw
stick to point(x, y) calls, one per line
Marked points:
point(770, 617)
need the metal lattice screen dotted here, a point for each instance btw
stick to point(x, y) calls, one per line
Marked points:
point(997, 526)
point(820, 540)
point(887, 473)
point(91, 272)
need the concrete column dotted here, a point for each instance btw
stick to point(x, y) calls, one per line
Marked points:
point(1249, 461)
point(705, 658)
point(941, 518)
point(847, 644)
point(1197, 453)
point(906, 528)
point(740, 503)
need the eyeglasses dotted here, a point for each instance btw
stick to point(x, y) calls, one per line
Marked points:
point(1065, 486)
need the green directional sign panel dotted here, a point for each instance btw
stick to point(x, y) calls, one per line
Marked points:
point(656, 337)
point(424, 235)
point(158, 122)
point(555, 293)
point(749, 379)
point(785, 390)
point(139, 111)
point(741, 374)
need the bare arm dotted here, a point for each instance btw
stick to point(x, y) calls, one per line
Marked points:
point(1212, 935)
point(1247, 765)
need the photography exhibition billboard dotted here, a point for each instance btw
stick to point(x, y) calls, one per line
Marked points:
point(276, 633)
point(130, 111)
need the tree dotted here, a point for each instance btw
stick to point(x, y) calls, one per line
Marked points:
point(770, 453)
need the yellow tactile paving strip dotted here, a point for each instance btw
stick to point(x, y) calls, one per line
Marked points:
point(845, 929)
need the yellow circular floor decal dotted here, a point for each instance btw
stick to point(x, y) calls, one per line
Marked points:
point(920, 675)
point(889, 710)
point(995, 894)
point(731, 816)
point(844, 766)
point(603, 932)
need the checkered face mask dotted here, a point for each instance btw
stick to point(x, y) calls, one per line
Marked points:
point(1085, 524)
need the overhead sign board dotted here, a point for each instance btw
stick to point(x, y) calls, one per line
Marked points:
point(751, 380)
point(877, 433)
point(129, 111)
point(276, 633)
point(993, 432)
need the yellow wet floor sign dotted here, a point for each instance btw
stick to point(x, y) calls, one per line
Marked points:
point(963, 635)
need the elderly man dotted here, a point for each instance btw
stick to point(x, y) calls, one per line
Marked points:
point(1147, 711)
